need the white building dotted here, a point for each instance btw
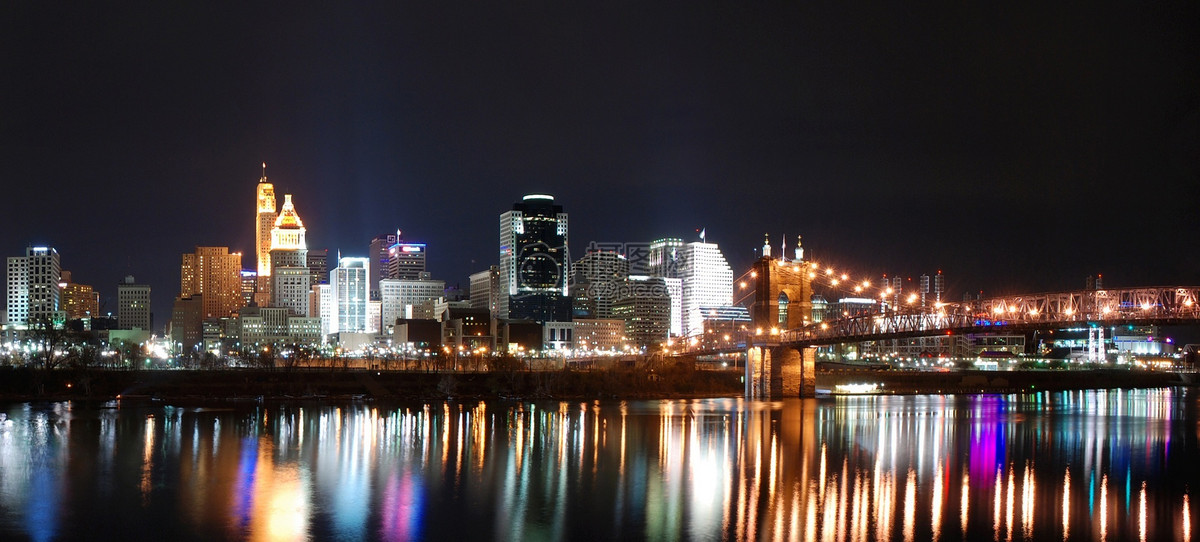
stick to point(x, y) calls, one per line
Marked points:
point(33, 288)
point(348, 292)
point(402, 298)
point(706, 279)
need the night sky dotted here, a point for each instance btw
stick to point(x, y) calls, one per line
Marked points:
point(1014, 150)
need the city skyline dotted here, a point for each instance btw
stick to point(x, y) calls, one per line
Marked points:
point(988, 145)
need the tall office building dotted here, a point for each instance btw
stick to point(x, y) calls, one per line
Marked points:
point(78, 300)
point(600, 274)
point(318, 266)
point(664, 260)
point(133, 305)
point(485, 290)
point(534, 261)
point(33, 287)
point(377, 251)
point(406, 261)
point(264, 222)
point(216, 274)
point(706, 279)
point(645, 307)
point(290, 274)
point(348, 292)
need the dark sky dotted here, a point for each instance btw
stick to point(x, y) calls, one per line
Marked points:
point(1017, 148)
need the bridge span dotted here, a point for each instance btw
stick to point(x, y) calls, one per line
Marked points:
point(781, 346)
point(1159, 305)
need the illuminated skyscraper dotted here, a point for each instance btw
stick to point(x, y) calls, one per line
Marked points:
point(348, 292)
point(534, 261)
point(263, 224)
point(290, 273)
point(706, 278)
point(33, 291)
point(216, 274)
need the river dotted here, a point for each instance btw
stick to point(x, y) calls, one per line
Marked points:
point(1080, 465)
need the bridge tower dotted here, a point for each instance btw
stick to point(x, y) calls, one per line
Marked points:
point(782, 301)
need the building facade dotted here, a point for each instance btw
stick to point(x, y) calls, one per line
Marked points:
point(378, 252)
point(403, 299)
point(600, 275)
point(33, 287)
point(133, 305)
point(216, 274)
point(349, 290)
point(485, 290)
point(264, 221)
point(534, 261)
point(78, 300)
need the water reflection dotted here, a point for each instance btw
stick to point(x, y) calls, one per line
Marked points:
point(1075, 465)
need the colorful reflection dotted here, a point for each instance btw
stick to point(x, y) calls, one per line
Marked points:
point(1110, 465)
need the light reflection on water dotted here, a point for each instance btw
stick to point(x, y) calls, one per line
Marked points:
point(1117, 465)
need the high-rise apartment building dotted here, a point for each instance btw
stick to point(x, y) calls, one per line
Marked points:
point(78, 300)
point(534, 261)
point(133, 305)
point(348, 291)
point(33, 287)
point(216, 274)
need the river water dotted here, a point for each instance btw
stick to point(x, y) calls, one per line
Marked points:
point(1083, 465)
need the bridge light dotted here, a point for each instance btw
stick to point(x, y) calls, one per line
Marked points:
point(1145, 306)
point(758, 331)
point(828, 270)
point(912, 298)
point(1187, 303)
point(834, 282)
point(743, 285)
point(754, 274)
point(866, 284)
point(845, 277)
point(999, 310)
point(824, 325)
point(1012, 310)
point(795, 269)
point(812, 275)
point(774, 331)
point(1106, 310)
point(1033, 312)
point(888, 291)
point(1069, 311)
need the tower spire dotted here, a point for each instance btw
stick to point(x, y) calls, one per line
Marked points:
point(766, 249)
point(264, 175)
